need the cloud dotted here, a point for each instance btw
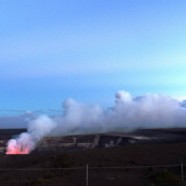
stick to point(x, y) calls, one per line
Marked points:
point(128, 113)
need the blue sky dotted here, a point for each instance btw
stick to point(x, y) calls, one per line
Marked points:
point(88, 49)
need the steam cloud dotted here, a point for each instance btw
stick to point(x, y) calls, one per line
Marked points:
point(26, 142)
point(128, 113)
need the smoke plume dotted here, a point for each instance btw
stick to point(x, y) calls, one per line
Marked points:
point(26, 142)
point(128, 113)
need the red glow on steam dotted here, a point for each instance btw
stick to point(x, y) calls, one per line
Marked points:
point(15, 147)
point(17, 151)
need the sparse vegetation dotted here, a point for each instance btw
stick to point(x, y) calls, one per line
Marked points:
point(130, 155)
point(165, 178)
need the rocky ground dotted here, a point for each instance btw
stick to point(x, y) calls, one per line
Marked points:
point(34, 169)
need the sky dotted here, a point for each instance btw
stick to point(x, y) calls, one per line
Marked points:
point(51, 50)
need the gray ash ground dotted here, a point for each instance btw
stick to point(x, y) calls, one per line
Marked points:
point(169, 149)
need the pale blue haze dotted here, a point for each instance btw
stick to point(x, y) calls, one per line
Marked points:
point(88, 49)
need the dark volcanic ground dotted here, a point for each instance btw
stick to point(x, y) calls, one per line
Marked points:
point(130, 155)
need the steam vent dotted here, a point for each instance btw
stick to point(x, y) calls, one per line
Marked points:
point(83, 142)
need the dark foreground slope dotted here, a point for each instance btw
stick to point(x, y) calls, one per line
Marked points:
point(36, 167)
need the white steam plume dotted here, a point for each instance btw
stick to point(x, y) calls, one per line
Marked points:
point(128, 113)
point(26, 142)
